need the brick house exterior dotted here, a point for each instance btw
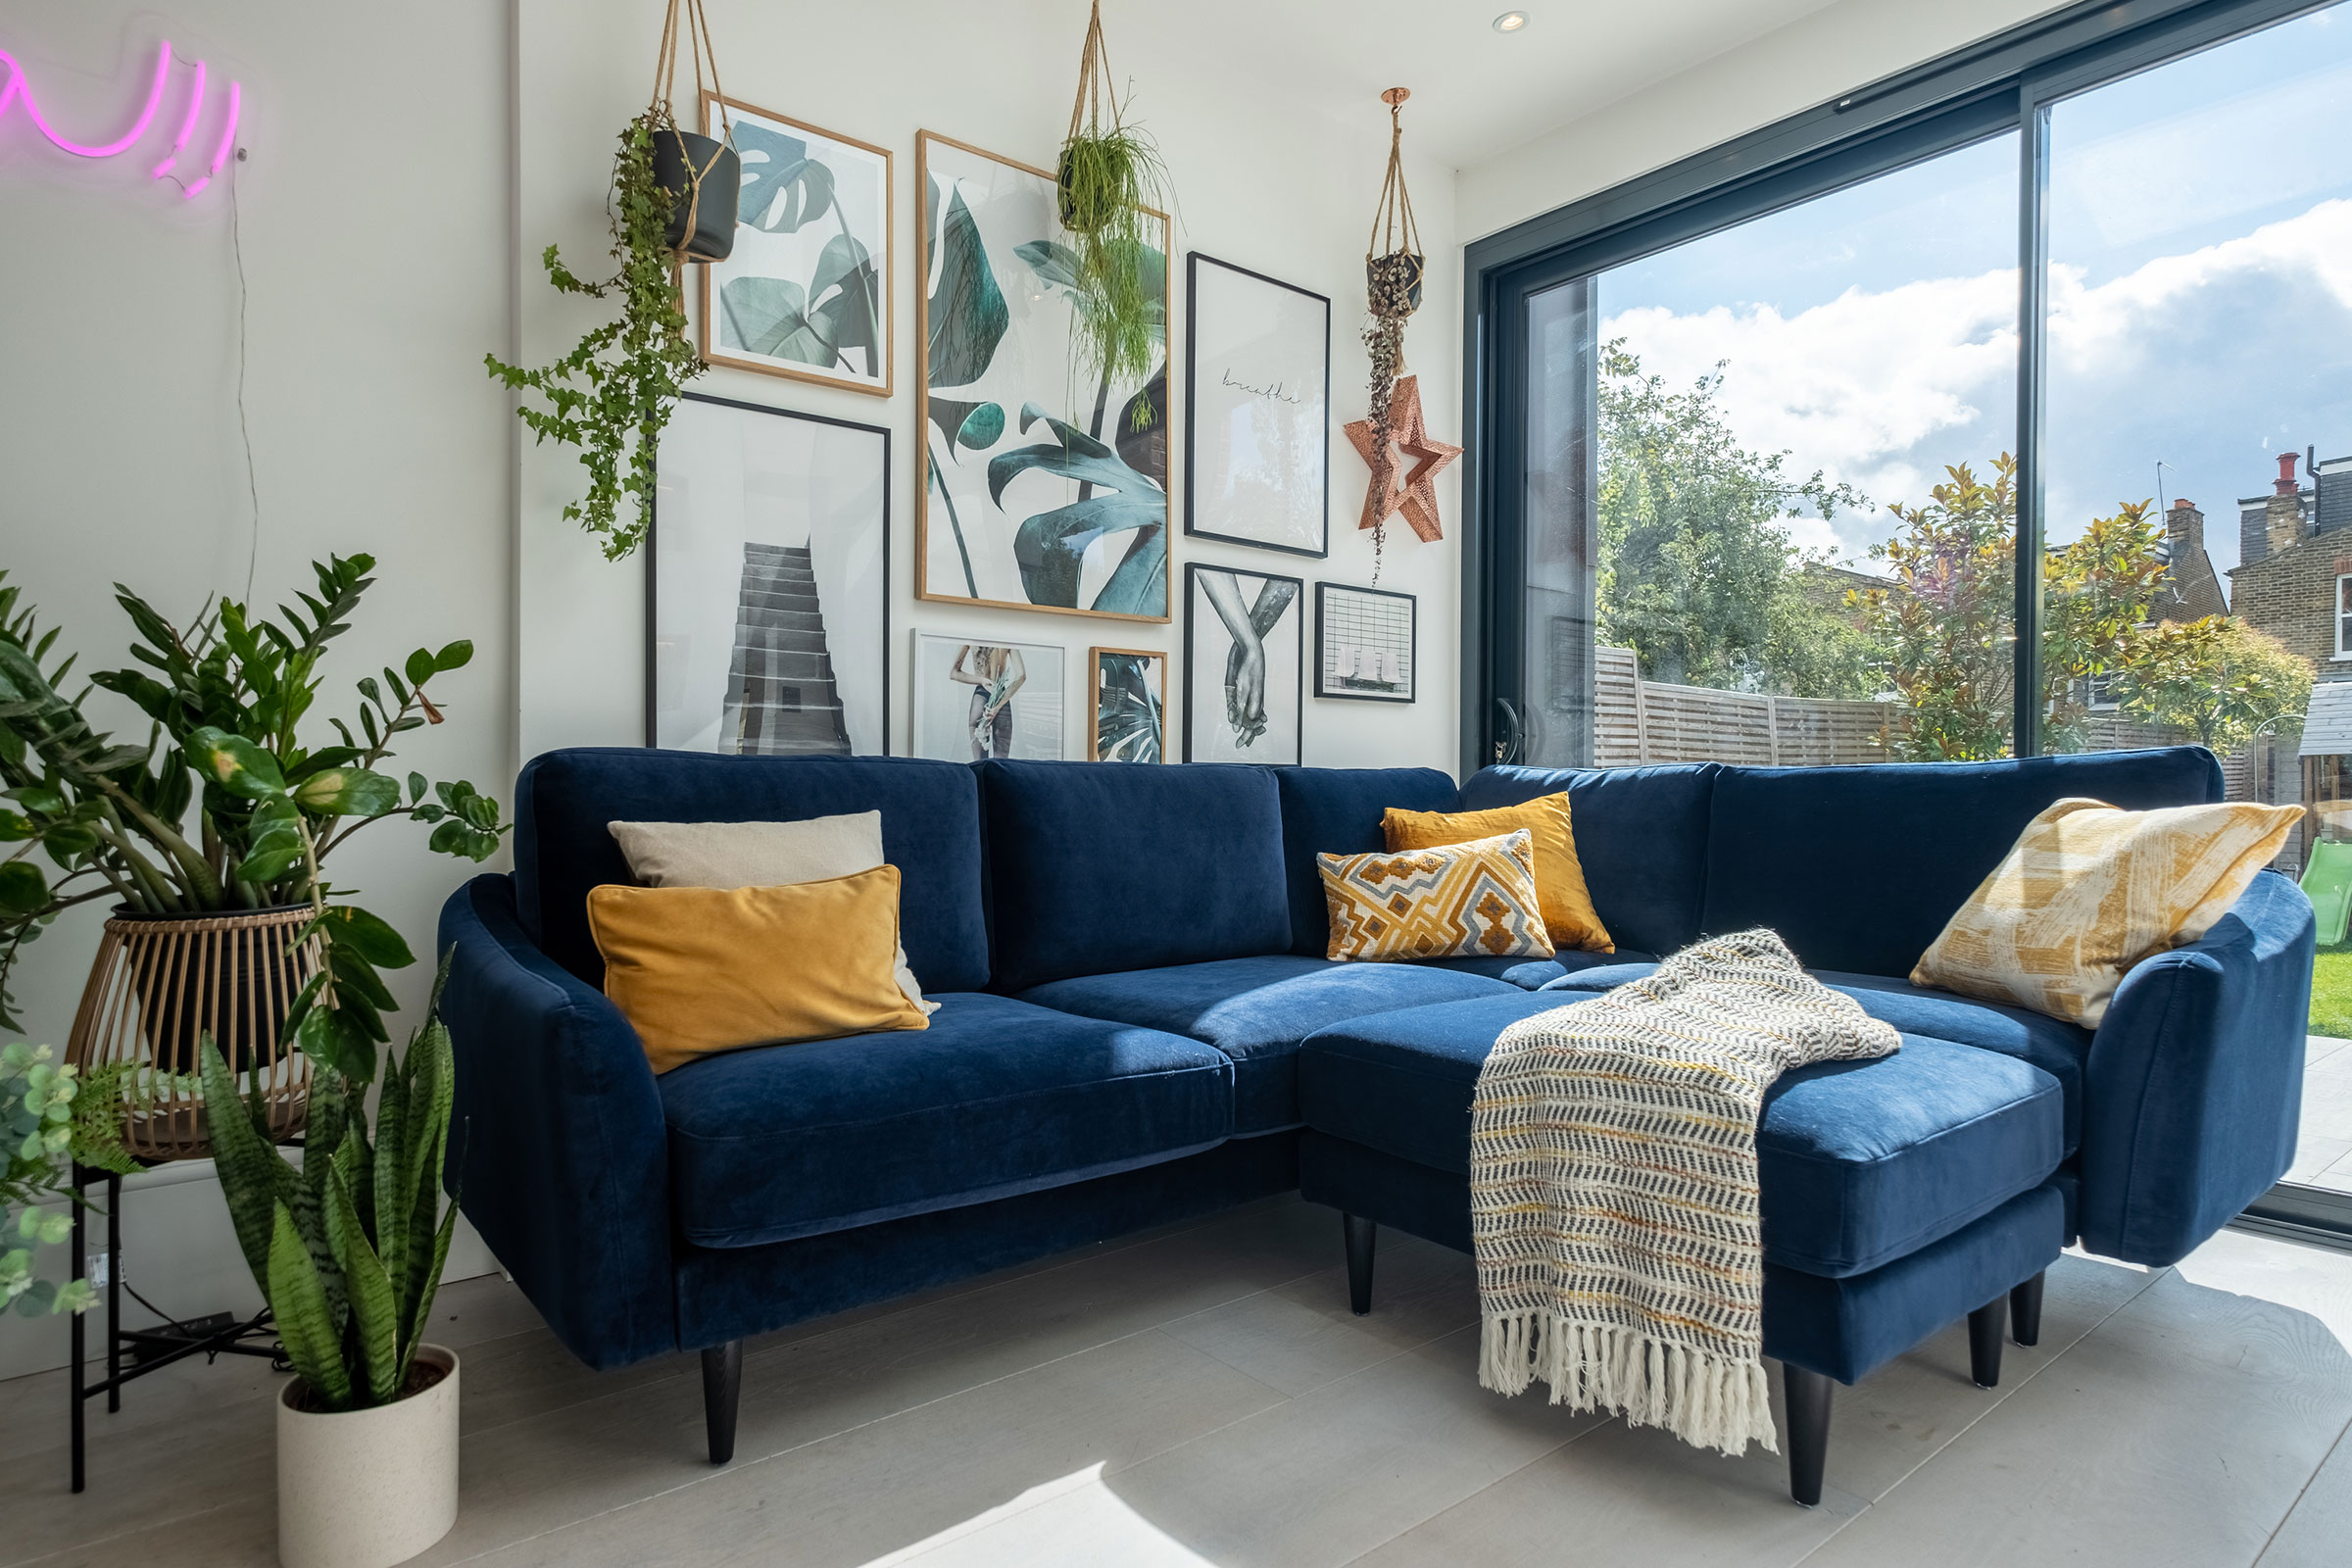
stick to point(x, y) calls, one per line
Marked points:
point(2191, 590)
point(2294, 544)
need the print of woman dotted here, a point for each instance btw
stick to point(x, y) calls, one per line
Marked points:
point(1246, 660)
point(993, 674)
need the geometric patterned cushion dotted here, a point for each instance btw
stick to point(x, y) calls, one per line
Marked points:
point(2090, 890)
point(1569, 917)
point(1455, 901)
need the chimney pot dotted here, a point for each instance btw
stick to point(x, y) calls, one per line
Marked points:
point(2184, 505)
point(2286, 485)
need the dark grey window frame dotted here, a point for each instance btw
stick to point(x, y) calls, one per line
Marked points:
point(2002, 83)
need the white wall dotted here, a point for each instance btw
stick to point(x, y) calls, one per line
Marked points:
point(376, 258)
point(1258, 182)
point(1808, 62)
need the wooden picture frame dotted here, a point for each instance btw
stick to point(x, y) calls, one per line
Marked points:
point(852, 661)
point(1269, 367)
point(718, 277)
point(964, 521)
point(1149, 700)
point(1219, 725)
point(953, 676)
point(1357, 648)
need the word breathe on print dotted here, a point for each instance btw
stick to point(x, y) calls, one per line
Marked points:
point(1275, 392)
point(16, 89)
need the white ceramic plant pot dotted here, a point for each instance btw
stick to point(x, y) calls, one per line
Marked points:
point(368, 1488)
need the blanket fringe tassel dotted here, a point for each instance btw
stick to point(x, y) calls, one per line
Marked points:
point(1709, 1401)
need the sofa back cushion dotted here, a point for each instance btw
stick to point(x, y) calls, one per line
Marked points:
point(1859, 868)
point(930, 831)
point(1337, 811)
point(1641, 835)
point(1096, 867)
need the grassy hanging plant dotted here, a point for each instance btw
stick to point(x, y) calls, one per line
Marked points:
point(1107, 181)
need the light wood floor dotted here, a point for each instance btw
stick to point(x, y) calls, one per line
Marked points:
point(1200, 1396)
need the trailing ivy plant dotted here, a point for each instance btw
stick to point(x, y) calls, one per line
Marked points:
point(611, 395)
point(226, 805)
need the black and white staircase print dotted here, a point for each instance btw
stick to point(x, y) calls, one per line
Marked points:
point(780, 694)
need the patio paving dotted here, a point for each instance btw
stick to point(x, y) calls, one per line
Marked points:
point(2323, 1157)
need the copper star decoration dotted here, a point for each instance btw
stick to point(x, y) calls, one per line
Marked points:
point(1415, 492)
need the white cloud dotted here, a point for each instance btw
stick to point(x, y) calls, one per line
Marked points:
point(1882, 389)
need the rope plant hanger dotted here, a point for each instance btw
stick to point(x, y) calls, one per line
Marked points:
point(1108, 178)
point(684, 160)
point(1392, 270)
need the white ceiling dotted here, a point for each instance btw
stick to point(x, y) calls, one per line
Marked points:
point(1475, 93)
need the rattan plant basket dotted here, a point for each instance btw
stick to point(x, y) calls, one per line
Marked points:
point(161, 982)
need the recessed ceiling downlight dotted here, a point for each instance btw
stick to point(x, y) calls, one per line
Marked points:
point(1511, 22)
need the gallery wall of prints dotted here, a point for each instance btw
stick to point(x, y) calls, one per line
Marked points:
point(1272, 175)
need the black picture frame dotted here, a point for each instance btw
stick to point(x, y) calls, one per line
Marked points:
point(651, 550)
point(1276, 688)
point(1193, 525)
point(1327, 679)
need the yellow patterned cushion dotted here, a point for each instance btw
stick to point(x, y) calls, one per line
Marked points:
point(2092, 890)
point(1472, 900)
point(1569, 917)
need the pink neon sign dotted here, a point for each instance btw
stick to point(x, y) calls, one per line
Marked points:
point(14, 88)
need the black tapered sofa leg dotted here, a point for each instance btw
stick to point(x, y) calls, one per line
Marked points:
point(1359, 1232)
point(2025, 1311)
point(1808, 1398)
point(1984, 1326)
point(722, 1389)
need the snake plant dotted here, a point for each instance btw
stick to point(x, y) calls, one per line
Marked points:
point(348, 1248)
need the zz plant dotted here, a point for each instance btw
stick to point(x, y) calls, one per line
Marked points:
point(225, 807)
point(348, 1248)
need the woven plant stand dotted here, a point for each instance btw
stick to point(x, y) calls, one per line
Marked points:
point(160, 984)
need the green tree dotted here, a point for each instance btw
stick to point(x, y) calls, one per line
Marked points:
point(1949, 622)
point(2218, 676)
point(1696, 572)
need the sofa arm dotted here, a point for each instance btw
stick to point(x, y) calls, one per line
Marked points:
point(2194, 1091)
point(564, 1161)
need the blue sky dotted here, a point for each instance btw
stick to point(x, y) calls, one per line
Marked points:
point(2201, 250)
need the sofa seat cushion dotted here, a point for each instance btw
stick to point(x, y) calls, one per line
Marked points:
point(1535, 974)
point(2053, 1045)
point(997, 1098)
point(1859, 1163)
point(1256, 1011)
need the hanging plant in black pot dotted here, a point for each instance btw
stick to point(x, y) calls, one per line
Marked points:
point(1394, 265)
point(1108, 182)
point(672, 204)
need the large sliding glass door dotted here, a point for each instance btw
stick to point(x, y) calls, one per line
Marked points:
point(2017, 422)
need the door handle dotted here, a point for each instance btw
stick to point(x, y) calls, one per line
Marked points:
point(1509, 732)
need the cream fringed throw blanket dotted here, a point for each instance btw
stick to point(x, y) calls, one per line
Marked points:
point(1613, 1187)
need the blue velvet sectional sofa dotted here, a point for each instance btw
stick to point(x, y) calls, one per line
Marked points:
point(1137, 1024)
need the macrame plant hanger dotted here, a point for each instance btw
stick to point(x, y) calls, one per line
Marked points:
point(1393, 272)
point(663, 114)
point(1093, 84)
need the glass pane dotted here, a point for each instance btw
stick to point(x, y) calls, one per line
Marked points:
point(2199, 412)
point(1787, 446)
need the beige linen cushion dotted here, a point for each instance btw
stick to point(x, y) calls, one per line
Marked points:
point(2090, 890)
point(758, 854)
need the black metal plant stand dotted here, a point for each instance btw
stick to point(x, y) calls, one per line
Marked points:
point(151, 1349)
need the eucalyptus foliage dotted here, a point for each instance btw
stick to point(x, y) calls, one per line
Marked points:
point(225, 807)
point(50, 1117)
point(349, 1246)
point(612, 394)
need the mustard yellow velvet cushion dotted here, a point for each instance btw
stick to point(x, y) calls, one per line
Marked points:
point(2090, 890)
point(1475, 899)
point(699, 970)
point(1569, 918)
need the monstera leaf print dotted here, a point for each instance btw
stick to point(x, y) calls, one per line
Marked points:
point(1050, 546)
point(966, 318)
point(770, 316)
point(1128, 721)
point(784, 189)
